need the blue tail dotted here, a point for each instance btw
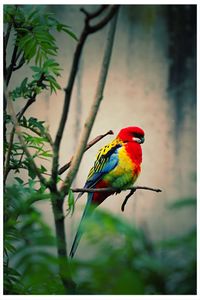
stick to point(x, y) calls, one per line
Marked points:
point(87, 212)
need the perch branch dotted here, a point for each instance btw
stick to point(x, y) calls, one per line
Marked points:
point(89, 145)
point(116, 190)
point(94, 109)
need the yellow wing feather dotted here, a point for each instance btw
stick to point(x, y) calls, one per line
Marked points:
point(102, 156)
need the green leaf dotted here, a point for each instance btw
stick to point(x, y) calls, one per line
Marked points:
point(36, 69)
point(65, 28)
point(72, 34)
point(19, 180)
point(31, 173)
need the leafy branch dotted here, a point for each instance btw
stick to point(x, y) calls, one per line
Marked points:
point(21, 139)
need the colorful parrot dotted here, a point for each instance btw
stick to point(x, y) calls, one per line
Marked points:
point(117, 165)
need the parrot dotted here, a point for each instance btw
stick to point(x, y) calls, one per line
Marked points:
point(117, 165)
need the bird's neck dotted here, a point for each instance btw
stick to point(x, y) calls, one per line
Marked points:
point(135, 152)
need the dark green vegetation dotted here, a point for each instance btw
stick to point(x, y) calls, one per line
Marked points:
point(127, 261)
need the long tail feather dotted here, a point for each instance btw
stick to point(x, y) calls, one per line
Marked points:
point(87, 212)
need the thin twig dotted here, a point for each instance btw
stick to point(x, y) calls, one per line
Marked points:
point(89, 145)
point(94, 109)
point(127, 197)
point(114, 190)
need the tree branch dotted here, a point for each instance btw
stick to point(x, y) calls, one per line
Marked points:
point(116, 190)
point(94, 109)
point(19, 116)
point(7, 35)
point(20, 64)
point(5, 44)
point(94, 14)
point(103, 22)
point(68, 91)
point(11, 66)
point(58, 196)
point(89, 145)
point(7, 163)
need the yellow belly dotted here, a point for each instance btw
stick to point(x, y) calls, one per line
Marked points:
point(124, 174)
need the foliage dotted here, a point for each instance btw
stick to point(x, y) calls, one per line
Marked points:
point(29, 244)
point(30, 263)
point(33, 31)
point(126, 260)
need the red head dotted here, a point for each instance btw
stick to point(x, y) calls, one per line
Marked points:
point(131, 134)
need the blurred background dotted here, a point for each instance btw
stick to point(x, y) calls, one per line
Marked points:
point(152, 84)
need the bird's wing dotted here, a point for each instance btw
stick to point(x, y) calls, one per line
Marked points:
point(106, 160)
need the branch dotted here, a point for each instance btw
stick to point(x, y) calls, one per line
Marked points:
point(11, 66)
point(19, 116)
point(7, 163)
point(68, 91)
point(7, 35)
point(94, 109)
point(20, 64)
point(103, 22)
point(116, 190)
point(21, 139)
point(32, 99)
point(94, 14)
point(5, 43)
point(89, 145)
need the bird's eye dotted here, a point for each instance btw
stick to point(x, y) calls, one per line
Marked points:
point(137, 135)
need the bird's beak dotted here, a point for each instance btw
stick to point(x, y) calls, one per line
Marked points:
point(142, 140)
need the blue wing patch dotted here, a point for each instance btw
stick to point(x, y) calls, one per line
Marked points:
point(103, 164)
